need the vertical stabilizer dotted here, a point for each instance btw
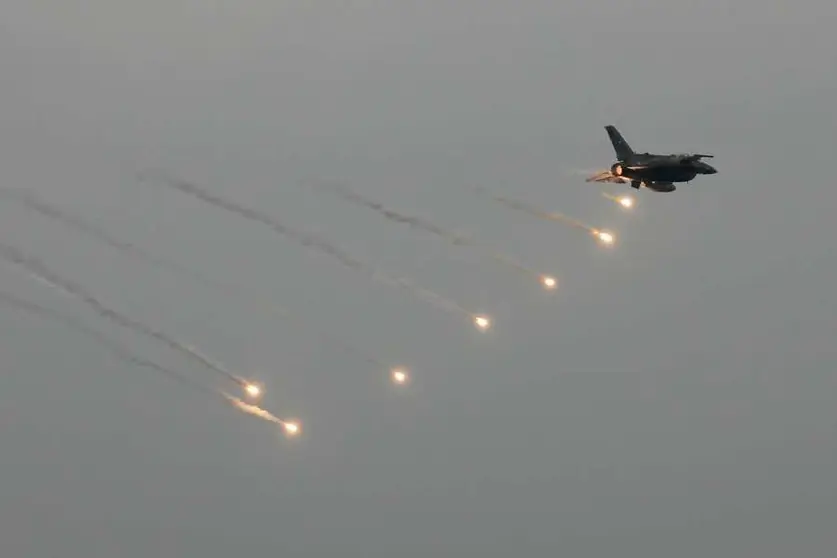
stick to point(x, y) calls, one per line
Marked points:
point(620, 146)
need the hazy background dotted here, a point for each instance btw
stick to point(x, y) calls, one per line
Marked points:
point(676, 397)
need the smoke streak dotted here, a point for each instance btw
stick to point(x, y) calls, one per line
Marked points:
point(520, 206)
point(131, 250)
point(37, 269)
point(125, 355)
point(602, 236)
point(114, 347)
point(29, 201)
point(391, 214)
point(254, 410)
point(291, 428)
point(311, 241)
point(421, 224)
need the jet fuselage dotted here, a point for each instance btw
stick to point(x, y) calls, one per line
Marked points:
point(656, 172)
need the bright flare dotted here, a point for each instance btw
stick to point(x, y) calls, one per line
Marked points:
point(290, 428)
point(626, 201)
point(549, 282)
point(253, 390)
point(482, 322)
point(604, 237)
point(399, 376)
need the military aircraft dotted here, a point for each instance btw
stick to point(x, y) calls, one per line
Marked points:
point(655, 172)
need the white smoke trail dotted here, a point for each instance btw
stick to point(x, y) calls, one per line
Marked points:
point(39, 271)
point(421, 224)
point(311, 241)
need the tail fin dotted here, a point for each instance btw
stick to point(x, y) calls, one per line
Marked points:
point(623, 150)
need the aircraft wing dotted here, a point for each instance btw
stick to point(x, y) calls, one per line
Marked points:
point(607, 176)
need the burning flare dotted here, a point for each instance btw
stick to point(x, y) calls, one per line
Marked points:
point(400, 376)
point(482, 322)
point(626, 202)
point(604, 237)
point(290, 427)
point(253, 390)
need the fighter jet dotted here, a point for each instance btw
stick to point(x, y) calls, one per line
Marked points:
point(655, 172)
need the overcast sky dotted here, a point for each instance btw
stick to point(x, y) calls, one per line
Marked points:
point(674, 397)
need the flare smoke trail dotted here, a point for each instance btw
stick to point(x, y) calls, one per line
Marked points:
point(257, 411)
point(29, 201)
point(38, 270)
point(36, 309)
point(416, 222)
point(603, 236)
point(122, 353)
point(543, 214)
point(311, 241)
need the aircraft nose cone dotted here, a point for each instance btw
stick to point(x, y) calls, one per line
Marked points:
point(708, 169)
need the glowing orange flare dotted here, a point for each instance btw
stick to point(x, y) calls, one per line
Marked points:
point(253, 390)
point(482, 322)
point(549, 282)
point(399, 376)
point(291, 428)
point(626, 201)
point(604, 237)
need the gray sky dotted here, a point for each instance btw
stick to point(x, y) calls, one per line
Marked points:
point(674, 397)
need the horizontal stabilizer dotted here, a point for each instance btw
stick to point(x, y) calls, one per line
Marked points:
point(607, 176)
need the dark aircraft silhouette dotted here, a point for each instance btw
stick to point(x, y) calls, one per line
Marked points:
point(655, 172)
